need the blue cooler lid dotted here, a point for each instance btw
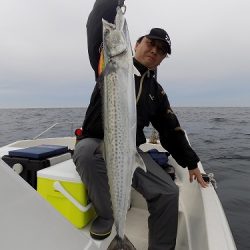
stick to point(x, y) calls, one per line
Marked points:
point(39, 152)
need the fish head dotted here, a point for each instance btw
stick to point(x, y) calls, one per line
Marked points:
point(114, 40)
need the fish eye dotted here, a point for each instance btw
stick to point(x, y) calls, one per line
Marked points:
point(107, 31)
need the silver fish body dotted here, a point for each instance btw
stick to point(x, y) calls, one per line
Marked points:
point(119, 109)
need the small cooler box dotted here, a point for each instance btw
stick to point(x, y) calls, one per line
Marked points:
point(62, 187)
point(27, 161)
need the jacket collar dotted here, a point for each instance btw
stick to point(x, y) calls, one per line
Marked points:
point(142, 69)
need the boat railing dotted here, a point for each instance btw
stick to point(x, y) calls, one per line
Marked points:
point(59, 129)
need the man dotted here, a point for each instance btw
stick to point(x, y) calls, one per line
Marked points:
point(153, 106)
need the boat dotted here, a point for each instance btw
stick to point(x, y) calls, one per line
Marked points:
point(27, 221)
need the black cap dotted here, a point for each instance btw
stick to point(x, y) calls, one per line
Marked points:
point(162, 35)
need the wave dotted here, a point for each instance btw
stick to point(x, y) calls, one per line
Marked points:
point(232, 157)
point(208, 141)
point(219, 119)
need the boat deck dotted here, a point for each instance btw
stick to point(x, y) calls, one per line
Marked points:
point(136, 230)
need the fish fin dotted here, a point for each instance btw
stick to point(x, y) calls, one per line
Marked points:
point(108, 68)
point(108, 24)
point(119, 243)
point(139, 162)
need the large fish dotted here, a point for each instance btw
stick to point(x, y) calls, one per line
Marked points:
point(119, 103)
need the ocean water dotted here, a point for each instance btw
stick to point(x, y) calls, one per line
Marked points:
point(220, 136)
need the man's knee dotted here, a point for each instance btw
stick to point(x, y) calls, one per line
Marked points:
point(169, 198)
point(84, 156)
point(170, 201)
point(80, 157)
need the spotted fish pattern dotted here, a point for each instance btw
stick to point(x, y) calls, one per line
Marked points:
point(119, 109)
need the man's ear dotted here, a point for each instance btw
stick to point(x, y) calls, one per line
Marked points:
point(136, 45)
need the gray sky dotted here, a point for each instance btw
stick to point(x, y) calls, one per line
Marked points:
point(44, 61)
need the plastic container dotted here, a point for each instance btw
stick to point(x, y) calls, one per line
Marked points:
point(62, 187)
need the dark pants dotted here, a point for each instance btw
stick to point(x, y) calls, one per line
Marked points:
point(155, 185)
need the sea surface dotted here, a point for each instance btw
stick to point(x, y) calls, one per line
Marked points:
point(220, 136)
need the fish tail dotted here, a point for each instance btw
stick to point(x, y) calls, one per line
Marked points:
point(121, 244)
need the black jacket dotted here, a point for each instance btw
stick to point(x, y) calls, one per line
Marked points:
point(153, 105)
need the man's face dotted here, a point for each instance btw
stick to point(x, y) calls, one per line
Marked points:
point(150, 53)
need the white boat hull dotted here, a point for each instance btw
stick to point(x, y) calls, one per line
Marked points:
point(28, 222)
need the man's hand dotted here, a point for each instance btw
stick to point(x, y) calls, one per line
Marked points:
point(195, 174)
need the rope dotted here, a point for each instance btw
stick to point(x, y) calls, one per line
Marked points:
point(140, 89)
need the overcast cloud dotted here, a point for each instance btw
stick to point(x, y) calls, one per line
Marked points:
point(44, 61)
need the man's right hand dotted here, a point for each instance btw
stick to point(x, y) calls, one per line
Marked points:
point(195, 174)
